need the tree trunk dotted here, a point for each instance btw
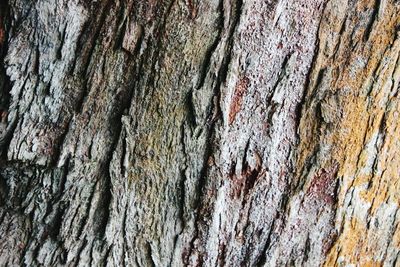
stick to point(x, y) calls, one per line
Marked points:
point(199, 133)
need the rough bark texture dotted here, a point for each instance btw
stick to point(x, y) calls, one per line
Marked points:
point(199, 133)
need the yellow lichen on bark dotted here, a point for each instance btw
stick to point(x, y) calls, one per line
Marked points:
point(359, 73)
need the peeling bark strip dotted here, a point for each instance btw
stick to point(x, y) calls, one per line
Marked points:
point(199, 133)
point(237, 98)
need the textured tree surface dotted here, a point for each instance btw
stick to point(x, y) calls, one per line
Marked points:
point(199, 132)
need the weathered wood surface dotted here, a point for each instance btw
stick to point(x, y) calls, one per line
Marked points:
point(199, 133)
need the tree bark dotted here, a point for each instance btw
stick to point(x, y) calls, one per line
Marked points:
point(199, 133)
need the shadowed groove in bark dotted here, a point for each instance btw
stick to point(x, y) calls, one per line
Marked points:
point(373, 18)
point(222, 74)
point(5, 84)
point(205, 66)
point(4, 81)
point(116, 124)
point(87, 44)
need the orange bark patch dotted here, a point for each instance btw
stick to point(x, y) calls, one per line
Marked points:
point(237, 98)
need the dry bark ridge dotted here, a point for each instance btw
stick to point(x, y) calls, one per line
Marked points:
point(199, 133)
